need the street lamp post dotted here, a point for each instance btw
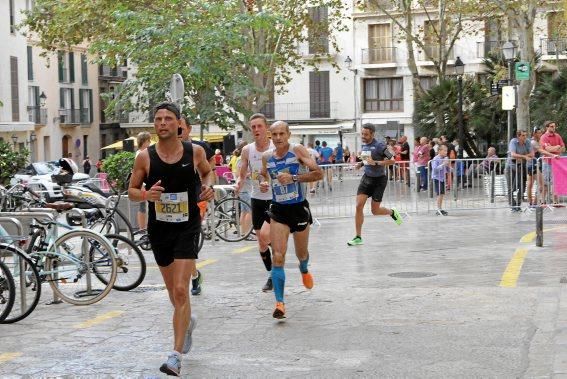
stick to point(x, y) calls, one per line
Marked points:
point(14, 140)
point(33, 138)
point(460, 70)
point(348, 62)
point(509, 51)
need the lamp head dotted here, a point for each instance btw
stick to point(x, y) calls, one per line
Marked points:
point(348, 62)
point(459, 67)
point(42, 99)
point(509, 51)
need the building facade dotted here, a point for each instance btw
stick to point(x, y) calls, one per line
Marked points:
point(49, 103)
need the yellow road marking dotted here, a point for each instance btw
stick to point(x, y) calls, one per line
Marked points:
point(244, 249)
point(6, 357)
point(510, 276)
point(530, 237)
point(99, 319)
point(206, 262)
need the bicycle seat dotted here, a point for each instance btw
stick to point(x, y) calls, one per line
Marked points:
point(59, 206)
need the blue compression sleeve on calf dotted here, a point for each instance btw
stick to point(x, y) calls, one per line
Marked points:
point(278, 278)
point(303, 265)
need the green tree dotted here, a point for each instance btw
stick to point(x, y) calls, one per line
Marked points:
point(549, 102)
point(441, 103)
point(11, 161)
point(231, 53)
point(118, 167)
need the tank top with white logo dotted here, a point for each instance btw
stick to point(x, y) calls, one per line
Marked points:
point(255, 168)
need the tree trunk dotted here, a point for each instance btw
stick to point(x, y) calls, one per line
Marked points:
point(524, 26)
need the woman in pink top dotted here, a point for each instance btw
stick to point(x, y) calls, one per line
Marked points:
point(421, 159)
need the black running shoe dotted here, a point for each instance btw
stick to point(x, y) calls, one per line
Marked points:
point(196, 284)
point(268, 286)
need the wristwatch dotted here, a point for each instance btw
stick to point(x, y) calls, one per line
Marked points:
point(295, 178)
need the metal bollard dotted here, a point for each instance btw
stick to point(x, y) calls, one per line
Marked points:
point(492, 185)
point(539, 227)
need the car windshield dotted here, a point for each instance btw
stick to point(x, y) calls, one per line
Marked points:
point(44, 168)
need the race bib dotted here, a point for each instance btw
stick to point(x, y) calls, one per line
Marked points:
point(173, 207)
point(285, 192)
point(364, 155)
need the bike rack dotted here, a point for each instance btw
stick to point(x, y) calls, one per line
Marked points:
point(35, 213)
point(20, 230)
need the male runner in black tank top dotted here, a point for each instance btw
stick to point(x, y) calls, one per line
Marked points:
point(168, 168)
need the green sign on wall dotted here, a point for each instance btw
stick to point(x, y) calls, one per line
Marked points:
point(522, 71)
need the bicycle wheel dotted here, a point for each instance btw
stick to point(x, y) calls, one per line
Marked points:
point(105, 226)
point(120, 217)
point(70, 266)
point(130, 263)
point(201, 240)
point(27, 282)
point(7, 291)
point(227, 220)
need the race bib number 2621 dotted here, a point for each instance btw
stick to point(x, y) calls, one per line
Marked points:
point(172, 207)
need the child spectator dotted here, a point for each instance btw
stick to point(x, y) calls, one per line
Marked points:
point(440, 167)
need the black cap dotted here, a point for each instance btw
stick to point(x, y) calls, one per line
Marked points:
point(170, 107)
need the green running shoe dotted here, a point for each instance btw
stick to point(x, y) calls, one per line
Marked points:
point(397, 216)
point(355, 241)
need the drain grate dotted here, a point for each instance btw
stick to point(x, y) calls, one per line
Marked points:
point(412, 275)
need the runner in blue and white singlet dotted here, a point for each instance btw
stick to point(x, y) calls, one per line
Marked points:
point(288, 167)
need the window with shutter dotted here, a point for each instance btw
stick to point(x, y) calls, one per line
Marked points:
point(14, 89)
point(319, 95)
point(30, 63)
point(384, 95)
point(318, 33)
point(380, 43)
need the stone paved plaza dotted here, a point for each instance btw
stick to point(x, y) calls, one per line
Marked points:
point(468, 295)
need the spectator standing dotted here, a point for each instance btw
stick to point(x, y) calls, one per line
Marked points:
point(440, 168)
point(87, 165)
point(519, 153)
point(405, 156)
point(347, 154)
point(552, 143)
point(218, 158)
point(421, 159)
point(314, 154)
point(143, 140)
point(327, 155)
point(339, 154)
point(99, 166)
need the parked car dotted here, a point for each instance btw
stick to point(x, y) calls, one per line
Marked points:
point(37, 176)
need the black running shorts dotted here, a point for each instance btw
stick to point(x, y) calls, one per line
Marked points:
point(296, 216)
point(259, 212)
point(174, 244)
point(373, 187)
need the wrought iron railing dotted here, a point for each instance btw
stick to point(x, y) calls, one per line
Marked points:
point(379, 55)
point(37, 115)
point(300, 111)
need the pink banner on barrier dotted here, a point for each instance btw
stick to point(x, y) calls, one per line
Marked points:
point(559, 168)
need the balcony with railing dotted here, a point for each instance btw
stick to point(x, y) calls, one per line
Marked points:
point(379, 55)
point(37, 115)
point(485, 48)
point(300, 111)
point(74, 116)
point(113, 73)
point(553, 46)
point(432, 52)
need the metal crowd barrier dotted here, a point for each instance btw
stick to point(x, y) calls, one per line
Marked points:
point(485, 183)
